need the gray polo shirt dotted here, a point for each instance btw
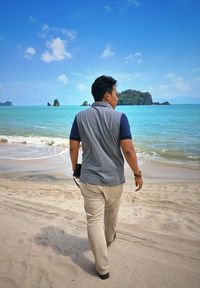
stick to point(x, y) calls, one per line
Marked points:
point(100, 129)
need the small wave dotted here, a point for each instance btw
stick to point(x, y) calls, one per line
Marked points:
point(35, 158)
point(170, 157)
point(35, 140)
point(41, 127)
point(34, 148)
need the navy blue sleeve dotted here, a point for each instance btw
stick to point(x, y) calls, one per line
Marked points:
point(74, 134)
point(125, 132)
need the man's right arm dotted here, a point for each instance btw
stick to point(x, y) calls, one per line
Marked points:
point(74, 143)
point(73, 149)
point(131, 158)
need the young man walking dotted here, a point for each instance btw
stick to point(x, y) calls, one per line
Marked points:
point(105, 135)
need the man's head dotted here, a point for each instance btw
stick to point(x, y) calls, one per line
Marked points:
point(104, 89)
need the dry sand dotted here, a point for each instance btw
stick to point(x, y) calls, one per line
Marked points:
point(43, 240)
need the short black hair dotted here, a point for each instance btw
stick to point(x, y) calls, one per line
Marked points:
point(102, 85)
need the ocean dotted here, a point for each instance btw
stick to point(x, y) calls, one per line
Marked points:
point(168, 133)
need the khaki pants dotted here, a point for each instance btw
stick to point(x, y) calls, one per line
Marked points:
point(101, 205)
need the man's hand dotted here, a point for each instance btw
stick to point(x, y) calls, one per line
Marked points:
point(130, 155)
point(138, 183)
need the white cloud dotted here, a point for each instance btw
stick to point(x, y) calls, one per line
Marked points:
point(134, 3)
point(44, 31)
point(81, 87)
point(177, 81)
point(53, 32)
point(71, 34)
point(172, 86)
point(134, 58)
point(107, 8)
point(45, 27)
point(32, 19)
point(63, 78)
point(56, 52)
point(107, 52)
point(124, 5)
point(29, 53)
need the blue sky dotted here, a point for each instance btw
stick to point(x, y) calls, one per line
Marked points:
point(55, 49)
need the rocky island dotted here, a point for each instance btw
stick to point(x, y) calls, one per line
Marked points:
point(85, 103)
point(7, 103)
point(134, 97)
point(55, 103)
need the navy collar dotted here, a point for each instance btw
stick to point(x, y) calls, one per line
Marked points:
point(101, 104)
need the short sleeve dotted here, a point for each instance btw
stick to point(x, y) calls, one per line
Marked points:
point(125, 132)
point(74, 134)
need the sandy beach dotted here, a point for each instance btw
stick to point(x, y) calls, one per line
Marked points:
point(43, 240)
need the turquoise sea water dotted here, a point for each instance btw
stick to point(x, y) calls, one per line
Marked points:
point(165, 133)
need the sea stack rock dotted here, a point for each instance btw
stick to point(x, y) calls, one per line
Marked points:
point(85, 103)
point(55, 103)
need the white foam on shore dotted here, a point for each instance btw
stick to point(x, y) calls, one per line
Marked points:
point(36, 140)
point(36, 158)
point(16, 151)
point(187, 160)
point(48, 147)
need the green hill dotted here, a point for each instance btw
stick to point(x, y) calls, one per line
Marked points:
point(133, 97)
point(7, 103)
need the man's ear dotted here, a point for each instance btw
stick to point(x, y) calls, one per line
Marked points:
point(107, 96)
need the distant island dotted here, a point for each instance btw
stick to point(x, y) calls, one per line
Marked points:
point(7, 103)
point(85, 103)
point(134, 97)
point(55, 103)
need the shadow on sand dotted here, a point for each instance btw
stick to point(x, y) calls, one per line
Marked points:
point(66, 244)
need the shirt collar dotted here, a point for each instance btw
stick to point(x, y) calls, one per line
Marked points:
point(102, 104)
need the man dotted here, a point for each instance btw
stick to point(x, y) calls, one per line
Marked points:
point(105, 134)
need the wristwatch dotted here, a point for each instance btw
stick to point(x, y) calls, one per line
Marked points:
point(138, 175)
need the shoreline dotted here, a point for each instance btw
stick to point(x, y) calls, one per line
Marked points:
point(42, 147)
point(59, 165)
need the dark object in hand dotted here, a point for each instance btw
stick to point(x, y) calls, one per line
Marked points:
point(77, 170)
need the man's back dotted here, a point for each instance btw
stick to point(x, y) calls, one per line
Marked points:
point(99, 129)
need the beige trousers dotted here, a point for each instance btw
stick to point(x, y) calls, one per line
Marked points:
point(101, 205)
